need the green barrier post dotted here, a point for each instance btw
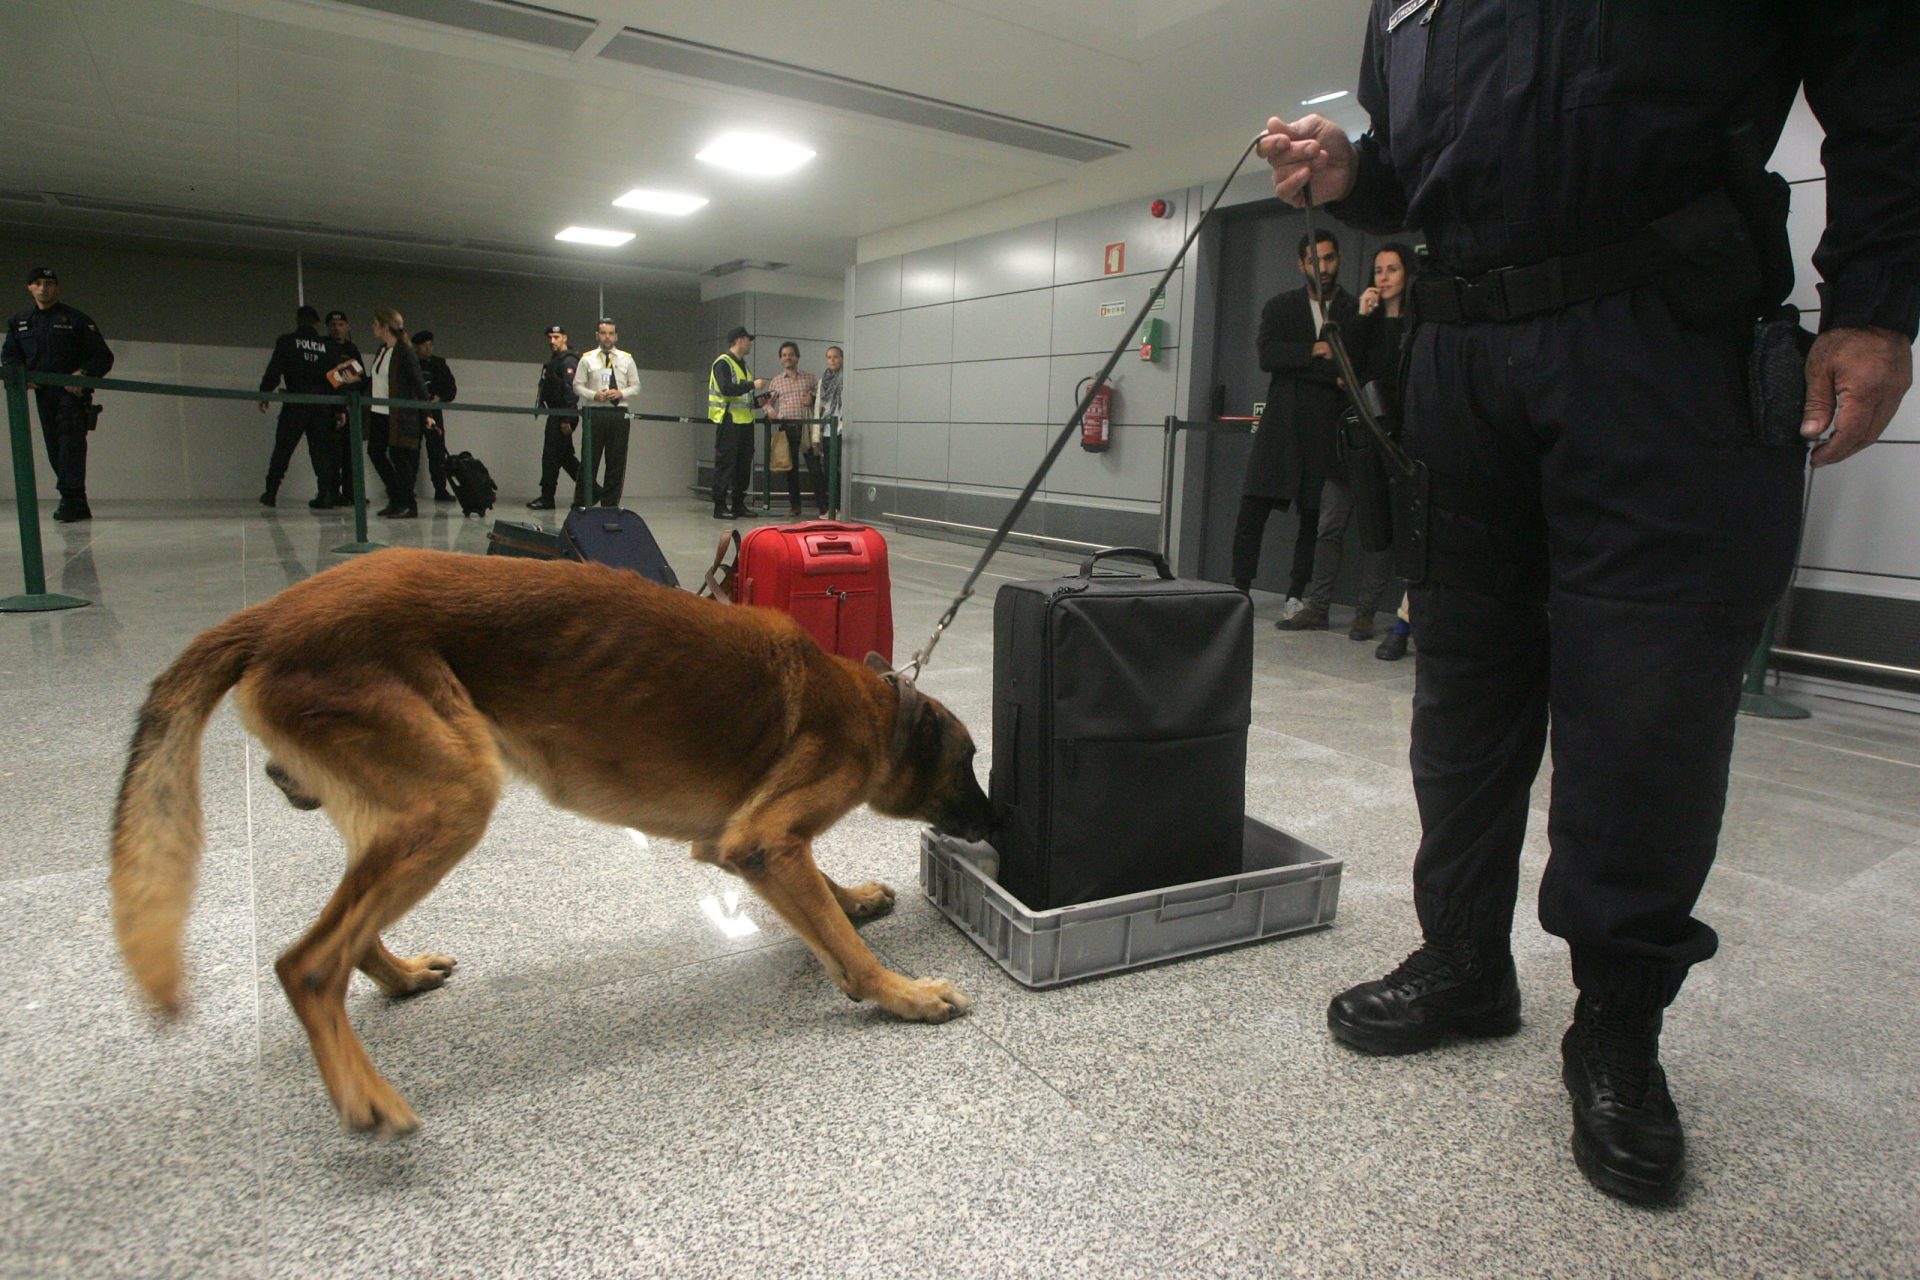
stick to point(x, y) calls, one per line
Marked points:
point(356, 443)
point(1754, 698)
point(26, 494)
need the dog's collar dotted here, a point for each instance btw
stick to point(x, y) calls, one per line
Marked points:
point(904, 713)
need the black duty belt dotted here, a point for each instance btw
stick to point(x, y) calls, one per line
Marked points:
point(1510, 293)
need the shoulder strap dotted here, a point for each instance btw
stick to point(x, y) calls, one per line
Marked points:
point(718, 582)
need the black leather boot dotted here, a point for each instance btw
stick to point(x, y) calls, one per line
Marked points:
point(1626, 1131)
point(1453, 988)
point(269, 494)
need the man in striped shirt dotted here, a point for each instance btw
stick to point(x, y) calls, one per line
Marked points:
point(794, 394)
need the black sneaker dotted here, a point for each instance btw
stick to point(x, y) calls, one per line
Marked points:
point(542, 503)
point(267, 497)
point(441, 495)
point(69, 512)
point(744, 512)
point(323, 502)
point(1444, 989)
point(1393, 648)
point(1627, 1137)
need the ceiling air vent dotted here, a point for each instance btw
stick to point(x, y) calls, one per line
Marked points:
point(506, 19)
point(719, 66)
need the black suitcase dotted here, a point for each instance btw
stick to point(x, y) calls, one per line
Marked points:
point(1120, 713)
point(472, 485)
point(604, 535)
point(528, 541)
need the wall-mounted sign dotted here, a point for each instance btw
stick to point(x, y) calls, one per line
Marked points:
point(1116, 259)
point(1159, 303)
point(1112, 309)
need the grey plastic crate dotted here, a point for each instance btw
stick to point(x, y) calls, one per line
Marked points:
point(1286, 886)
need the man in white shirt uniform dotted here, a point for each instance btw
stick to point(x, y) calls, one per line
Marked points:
point(606, 379)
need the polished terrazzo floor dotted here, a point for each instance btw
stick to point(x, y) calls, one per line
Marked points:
point(633, 1073)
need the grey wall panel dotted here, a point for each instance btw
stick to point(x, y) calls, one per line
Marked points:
point(926, 393)
point(716, 317)
point(927, 277)
point(875, 341)
point(812, 322)
point(873, 394)
point(1806, 220)
point(1004, 262)
point(1129, 469)
point(923, 451)
point(926, 335)
point(873, 449)
point(1862, 516)
point(995, 453)
point(876, 286)
point(1002, 390)
point(1081, 240)
point(1003, 327)
point(1142, 391)
point(1079, 327)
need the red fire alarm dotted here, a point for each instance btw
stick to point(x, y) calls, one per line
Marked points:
point(1160, 209)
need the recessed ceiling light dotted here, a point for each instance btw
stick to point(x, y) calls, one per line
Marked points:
point(659, 201)
point(755, 153)
point(1325, 97)
point(594, 235)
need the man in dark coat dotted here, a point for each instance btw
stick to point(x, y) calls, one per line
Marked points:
point(1294, 445)
point(56, 338)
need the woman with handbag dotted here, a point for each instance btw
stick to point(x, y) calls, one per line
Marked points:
point(394, 434)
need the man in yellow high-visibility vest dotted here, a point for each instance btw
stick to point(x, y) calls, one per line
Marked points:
point(730, 399)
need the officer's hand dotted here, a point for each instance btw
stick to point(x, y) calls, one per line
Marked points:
point(1312, 145)
point(1855, 380)
point(759, 384)
point(1322, 351)
point(263, 406)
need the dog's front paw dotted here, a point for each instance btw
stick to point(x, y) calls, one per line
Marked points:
point(866, 901)
point(925, 1000)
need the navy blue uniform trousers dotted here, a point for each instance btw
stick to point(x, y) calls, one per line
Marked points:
point(1601, 462)
point(63, 426)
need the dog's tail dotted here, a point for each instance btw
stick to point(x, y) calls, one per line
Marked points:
point(156, 825)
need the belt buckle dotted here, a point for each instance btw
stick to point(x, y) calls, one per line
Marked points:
point(1485, 298)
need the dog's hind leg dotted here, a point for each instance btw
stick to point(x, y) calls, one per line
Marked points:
point(422, 798)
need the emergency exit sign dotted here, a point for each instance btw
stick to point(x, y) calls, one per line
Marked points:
point(1116, 259)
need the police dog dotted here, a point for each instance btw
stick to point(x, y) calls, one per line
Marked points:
point(398, 692)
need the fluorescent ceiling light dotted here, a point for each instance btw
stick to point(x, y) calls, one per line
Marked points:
point(1325, 97)
point(755, 153)
point(659, 201)
point(594, 235)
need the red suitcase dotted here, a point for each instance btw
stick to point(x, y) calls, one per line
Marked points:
point(830, 577)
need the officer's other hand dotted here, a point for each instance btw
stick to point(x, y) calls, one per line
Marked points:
point(1311, 146)
point(1855, 381)
point(1322, 351)
point(263, 406)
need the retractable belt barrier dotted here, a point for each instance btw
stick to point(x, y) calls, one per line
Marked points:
point(37, 599)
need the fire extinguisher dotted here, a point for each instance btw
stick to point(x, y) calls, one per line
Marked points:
point(1095, 435)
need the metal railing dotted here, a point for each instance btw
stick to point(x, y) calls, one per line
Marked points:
point(350, 401)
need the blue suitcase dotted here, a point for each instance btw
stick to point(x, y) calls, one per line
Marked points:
point(603, 535)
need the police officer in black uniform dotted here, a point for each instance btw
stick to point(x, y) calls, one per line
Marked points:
point(556, 392)
point(341, 350)
point(1615, 496)
point(300, 363)
point(56, 338)
point(442, 387)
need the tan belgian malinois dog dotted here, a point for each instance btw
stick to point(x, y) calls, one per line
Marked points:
point(398, 692)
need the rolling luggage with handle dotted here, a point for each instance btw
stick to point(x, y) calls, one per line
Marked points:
point(604, 535)
point(1120, 713)
point(472, 486)
point(831, 577)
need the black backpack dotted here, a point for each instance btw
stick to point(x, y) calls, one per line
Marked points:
point(467, 477)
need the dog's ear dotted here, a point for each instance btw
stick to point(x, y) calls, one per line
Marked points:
point(878, 665)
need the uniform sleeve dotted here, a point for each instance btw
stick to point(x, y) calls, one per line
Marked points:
point(448, 387)
point(279, 365)
point(1863, 83)
point(1377, 202)
point(581, 387)
point(10, 351)
point(96, 358)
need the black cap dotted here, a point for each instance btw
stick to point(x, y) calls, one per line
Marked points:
point(335, 315)
point(425, 335)
point(559, 329)
point(739, 332)
point(307, 315)
point(42, 273)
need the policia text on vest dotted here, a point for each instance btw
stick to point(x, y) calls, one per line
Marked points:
point(730, 398)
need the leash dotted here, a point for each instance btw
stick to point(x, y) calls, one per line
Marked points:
point(913, 668)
